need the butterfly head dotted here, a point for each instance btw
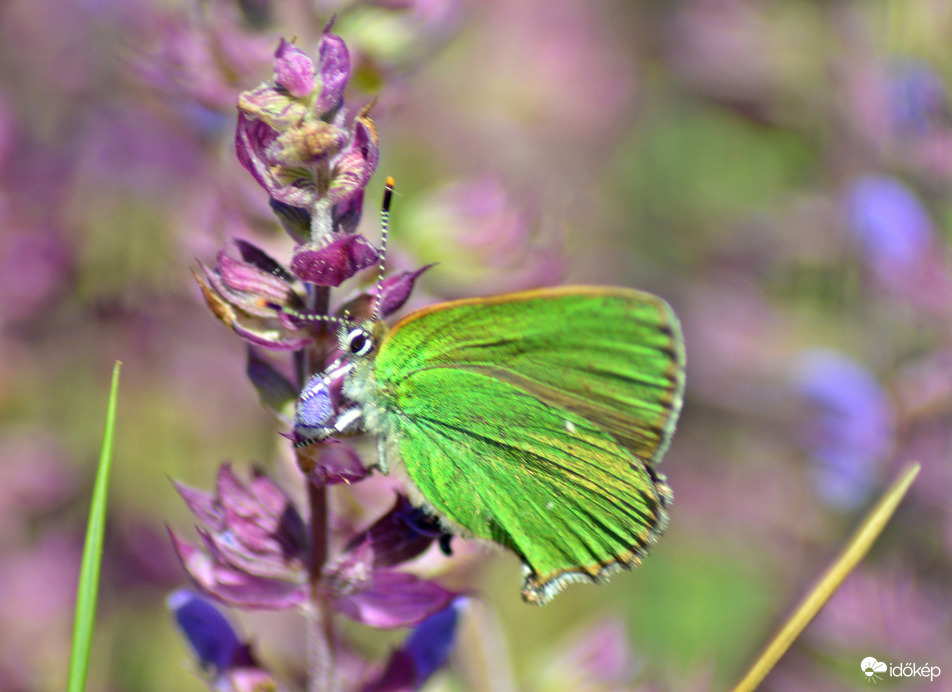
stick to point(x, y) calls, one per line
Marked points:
point(360, 340)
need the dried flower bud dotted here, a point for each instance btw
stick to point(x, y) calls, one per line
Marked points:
point(243, 292)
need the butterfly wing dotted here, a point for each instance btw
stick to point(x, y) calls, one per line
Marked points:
point(532, 419)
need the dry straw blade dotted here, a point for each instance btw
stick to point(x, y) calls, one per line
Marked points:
point(826, 586)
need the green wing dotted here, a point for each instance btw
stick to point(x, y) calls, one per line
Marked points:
point(532, 420)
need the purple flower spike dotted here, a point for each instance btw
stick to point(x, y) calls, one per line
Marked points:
point(334, 66)
point(293, 70)
point(335, 262)
point(401, 534)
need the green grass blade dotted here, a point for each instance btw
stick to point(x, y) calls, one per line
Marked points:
point(826, 586)
point(88, 588)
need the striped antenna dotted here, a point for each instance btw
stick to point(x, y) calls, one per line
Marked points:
point(303, 316)
point(384, 226)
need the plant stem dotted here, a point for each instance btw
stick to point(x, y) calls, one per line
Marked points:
point(320, 617)
point(322, 669)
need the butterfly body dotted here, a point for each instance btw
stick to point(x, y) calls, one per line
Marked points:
point(532, 420)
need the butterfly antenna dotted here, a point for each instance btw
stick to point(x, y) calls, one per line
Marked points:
point(384, 229)
point(303, 316)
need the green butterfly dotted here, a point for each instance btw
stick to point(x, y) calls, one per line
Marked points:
point(533, 420)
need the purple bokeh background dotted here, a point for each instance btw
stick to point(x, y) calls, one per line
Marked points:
point(779, 171)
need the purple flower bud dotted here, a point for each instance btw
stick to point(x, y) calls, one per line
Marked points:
point(208, 631)
point(424, 652)
point(395, 290)
point(391, 600)
point(334, 66)
point(430, 643)
point(334, 262)
point(293, 70)
point(252, 138)
point(217, 646)
point(401, 534)
point(848, 426)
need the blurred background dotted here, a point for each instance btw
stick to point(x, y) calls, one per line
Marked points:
point(778, 170)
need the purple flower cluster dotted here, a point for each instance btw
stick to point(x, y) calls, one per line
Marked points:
point(258, 551)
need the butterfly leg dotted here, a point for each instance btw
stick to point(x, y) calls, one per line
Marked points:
point(382, 456)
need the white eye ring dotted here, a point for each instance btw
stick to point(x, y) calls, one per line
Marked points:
point(359, 342)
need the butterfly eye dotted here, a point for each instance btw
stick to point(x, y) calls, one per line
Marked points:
point(359, 342)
